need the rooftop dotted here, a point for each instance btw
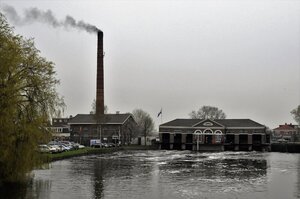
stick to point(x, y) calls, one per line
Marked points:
point(224, 122)
point(103, 119)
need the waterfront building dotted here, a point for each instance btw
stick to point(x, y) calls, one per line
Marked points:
point(214, 135)
point(109, 128)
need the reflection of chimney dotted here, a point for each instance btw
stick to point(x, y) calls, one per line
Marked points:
point(100, 76)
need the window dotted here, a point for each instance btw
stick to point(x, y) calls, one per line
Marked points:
point(208, 124)
point(200, 138)
point(218, 138)
point(208, 131)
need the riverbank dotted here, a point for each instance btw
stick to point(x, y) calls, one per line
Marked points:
point(92, 151)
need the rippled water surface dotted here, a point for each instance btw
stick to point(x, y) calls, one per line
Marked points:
point(168, 174)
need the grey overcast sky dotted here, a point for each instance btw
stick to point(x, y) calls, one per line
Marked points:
point(242, 56)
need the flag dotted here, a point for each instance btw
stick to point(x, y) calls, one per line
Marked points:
point(160, 112)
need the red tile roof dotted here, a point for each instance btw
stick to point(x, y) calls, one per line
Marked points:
point(284, 127)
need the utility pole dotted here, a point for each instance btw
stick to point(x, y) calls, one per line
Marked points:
point(119, 134)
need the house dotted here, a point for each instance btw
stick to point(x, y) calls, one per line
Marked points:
point(213, 135)
point(286, 132)
point(60, 128)
point(109, 128)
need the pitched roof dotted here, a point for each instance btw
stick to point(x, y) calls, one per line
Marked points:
point(224, 122)
point(182, 122)
point(284, 127)
point(103, 119)
point(239, 123)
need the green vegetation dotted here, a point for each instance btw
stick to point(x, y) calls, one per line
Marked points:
point(80, 152)
point(28, 99)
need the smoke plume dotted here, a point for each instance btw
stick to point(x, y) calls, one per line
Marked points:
point(32, 15)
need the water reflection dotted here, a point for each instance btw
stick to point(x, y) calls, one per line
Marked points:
point(298, 179)
point(99, 169)
point(33, 189)
point(167, 174)
point(13, 191)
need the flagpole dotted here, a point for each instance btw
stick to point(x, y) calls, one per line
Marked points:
point(161, 116)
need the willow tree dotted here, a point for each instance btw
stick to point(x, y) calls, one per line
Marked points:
point(28, 99)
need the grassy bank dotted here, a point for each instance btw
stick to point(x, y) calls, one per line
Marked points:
point(80, 152)
point(91, 151)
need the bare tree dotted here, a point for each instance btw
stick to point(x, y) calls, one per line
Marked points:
point(144, 122)
point(208, 112)
point(296, 114)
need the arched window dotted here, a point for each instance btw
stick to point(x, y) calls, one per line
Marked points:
point(198, 132)
point(198, 135)
point(218, 136)
point(208, 132)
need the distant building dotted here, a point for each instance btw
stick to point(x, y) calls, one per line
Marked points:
point(60, 128)
point(286, 132)
point(109, 128)
point(213, 135)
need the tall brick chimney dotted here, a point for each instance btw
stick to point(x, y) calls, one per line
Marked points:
point(100, 76)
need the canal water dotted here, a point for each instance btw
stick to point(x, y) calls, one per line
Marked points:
point(167, 175)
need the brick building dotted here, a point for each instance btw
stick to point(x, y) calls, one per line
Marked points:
point(109, 128)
